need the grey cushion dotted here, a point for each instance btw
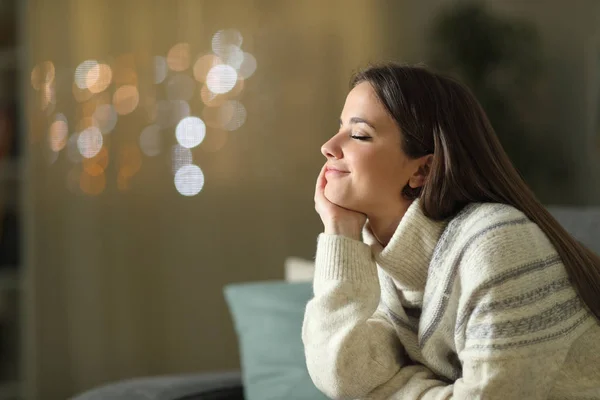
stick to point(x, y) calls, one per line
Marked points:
point(582, 223)
point(208, 386)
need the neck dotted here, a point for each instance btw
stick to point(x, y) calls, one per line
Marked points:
point(383, 226)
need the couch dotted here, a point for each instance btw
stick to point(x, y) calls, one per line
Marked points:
point(583, 224)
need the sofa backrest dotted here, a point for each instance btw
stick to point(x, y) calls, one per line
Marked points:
point(582, 223)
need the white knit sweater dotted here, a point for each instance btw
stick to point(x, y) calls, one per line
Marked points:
point(479, 307)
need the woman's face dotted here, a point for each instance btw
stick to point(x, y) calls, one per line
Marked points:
point(366, 167)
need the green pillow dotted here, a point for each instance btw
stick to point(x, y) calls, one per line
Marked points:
point(268, 321)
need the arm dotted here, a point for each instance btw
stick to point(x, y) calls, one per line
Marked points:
point(352, 350)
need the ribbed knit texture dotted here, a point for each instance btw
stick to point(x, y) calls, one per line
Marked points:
point(479, 307)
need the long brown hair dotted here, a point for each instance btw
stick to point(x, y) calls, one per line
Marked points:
point(440, 116)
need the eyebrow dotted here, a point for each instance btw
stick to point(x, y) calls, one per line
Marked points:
point(357, 120)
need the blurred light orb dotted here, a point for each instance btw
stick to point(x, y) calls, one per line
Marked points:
point(239, 116)
point(42, 73)
point(219, 117)
point(48, 95)
point(92, 185)
point(161, 69)
point(97, 164)
point(126, 99)
point(248, 66)
point(180, 156)
point(36, 77)
point(211, 99)
point(180, 87)
point(204, 64)
point(105, 118)
point(178, 57)
point(190, 132)
point(233, 55)
point(100, 82)
point(87, 72)
point(48, 71)
point(90, 142)
point(81, 95)
point(189, 180)
point(58, 133)
point(221, 78)
point(150, 140)
point(226, 37)
point(214, 141)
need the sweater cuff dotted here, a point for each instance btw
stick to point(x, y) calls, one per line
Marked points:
point(341, 258)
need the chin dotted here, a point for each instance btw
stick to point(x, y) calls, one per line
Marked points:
point(342, 199)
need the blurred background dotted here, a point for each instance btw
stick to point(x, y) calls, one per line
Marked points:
point(153, 151)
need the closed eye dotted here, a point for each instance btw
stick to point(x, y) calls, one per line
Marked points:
point(359, 137)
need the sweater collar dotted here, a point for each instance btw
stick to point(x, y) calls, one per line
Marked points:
point(407, 256)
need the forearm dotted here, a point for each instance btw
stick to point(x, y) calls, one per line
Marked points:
point(350, 348)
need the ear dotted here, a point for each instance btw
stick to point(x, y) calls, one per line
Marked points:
point(423, 165)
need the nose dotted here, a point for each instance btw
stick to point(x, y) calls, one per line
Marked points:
point(331, 149)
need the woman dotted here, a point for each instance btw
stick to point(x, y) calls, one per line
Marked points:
point(463, 286)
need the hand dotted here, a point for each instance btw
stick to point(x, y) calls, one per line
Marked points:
point(337, 220)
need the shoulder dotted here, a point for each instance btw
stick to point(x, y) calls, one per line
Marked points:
point(497, 240)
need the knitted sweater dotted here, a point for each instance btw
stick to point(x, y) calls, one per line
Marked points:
point(478, 307)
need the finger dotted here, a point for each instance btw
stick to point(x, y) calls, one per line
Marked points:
point(321, 180)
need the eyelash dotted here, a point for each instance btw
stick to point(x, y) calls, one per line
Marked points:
point(361, 138)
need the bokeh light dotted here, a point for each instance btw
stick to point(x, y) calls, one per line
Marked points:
point(90, 142)
point(190, 132)
point(239, 116)
point(126, 99)
point(180, 87)
point(189, 180)
point(203, 65)
point(92, 185)
point(211, 99)
point(41, 74)
point(97, 164)
point(161, 69)
point(214, 140)
point(81, 95)
point(178, 57)
point(248, 66)
point(48, 95)
point(100, 81)
point(232, 55)
point(58, 133)
point(105, 118)
point(87, 72)
point(151, 141)
point(222, 39)
point(125, 76)
point(221, 78)
point(180, 156)
point(218, 117)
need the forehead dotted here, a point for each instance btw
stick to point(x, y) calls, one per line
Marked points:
point(362, 101)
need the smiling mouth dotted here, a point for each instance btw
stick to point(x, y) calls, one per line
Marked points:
point(333, 171)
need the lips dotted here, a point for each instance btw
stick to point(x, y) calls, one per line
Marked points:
point(334, 169)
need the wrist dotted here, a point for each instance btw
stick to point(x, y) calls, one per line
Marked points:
point(349, 231)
